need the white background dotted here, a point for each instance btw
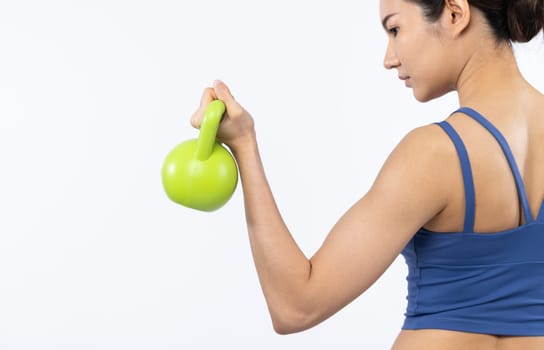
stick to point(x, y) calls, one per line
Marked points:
point(93, 95)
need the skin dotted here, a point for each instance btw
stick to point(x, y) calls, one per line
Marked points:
point(460, 55)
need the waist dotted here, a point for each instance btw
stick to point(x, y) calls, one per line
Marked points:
point(452, 340)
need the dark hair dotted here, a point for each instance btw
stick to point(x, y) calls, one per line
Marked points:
point(511, 20)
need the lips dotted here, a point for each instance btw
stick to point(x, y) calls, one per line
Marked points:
point(406, 79)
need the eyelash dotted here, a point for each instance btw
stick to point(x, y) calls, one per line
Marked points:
point(394, 31)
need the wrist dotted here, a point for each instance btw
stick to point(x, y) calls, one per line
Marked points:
point(243, 144)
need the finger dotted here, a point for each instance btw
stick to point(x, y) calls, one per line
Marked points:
point(207, 96)
point(223, 93)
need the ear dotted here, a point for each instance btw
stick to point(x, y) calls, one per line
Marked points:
point(456, 17)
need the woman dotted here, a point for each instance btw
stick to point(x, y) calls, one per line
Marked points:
point(466, 194)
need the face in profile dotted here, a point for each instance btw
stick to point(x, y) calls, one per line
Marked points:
point(417, 49)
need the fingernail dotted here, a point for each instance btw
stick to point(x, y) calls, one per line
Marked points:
point(216, 82)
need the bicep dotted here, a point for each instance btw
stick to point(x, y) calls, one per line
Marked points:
point(372, 233)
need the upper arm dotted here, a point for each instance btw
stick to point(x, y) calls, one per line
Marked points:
point(407, 193)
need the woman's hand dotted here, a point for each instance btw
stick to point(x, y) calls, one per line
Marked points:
point(237, 126)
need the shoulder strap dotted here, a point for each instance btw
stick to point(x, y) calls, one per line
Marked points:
point(540, 217)
point(467, 175)
point(508, 153)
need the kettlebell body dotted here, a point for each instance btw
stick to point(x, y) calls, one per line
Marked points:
point(201, 173)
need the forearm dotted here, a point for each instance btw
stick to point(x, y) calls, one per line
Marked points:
point(283, 269)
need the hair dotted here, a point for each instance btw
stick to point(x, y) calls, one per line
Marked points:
point(511, 20)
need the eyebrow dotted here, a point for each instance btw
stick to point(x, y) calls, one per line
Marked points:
point(386, 18)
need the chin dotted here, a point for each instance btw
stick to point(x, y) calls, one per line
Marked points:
point(428, 95)
point(422, 98)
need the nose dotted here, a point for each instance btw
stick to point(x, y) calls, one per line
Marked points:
point(390, 60)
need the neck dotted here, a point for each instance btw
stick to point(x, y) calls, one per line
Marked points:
point(491, 74)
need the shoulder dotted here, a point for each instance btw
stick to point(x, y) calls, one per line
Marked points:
point(419, 171)
point(427, 148)
point(429, 140)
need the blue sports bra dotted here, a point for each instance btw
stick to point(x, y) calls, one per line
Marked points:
point(473, 282)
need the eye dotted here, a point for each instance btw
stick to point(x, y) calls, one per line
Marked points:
point(394, 31)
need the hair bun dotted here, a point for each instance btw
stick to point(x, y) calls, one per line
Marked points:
point(525, 19)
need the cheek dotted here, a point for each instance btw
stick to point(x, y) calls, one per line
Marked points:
point(421, 54)
point(411, 50)
point(427, 64)
point(430, 75)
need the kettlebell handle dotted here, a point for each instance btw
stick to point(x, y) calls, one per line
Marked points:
point(208, 129)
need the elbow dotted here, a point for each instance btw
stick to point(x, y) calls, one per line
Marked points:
point(283, 328)
point(287, 321)
point(282, 331)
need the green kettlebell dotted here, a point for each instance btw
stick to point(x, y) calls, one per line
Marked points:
point(201, 173)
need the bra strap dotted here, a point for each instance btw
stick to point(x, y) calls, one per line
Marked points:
point(508, 153)
point(467, 175)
